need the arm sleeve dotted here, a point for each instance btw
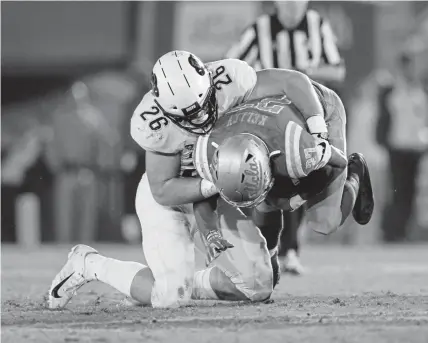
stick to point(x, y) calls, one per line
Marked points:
point(301, 153)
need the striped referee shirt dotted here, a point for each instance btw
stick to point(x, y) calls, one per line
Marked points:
point(309, 46)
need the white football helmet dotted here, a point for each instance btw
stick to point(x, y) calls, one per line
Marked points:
point(184, 91)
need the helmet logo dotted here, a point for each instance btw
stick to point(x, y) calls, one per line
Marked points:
point(252, 182)
point(196, 65)
point(154, 85)
point(192, 109)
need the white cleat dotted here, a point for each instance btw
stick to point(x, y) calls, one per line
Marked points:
point(70, 278)
point(291, 264)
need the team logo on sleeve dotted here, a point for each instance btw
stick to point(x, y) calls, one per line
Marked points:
point(295, 160)
point(311, 156)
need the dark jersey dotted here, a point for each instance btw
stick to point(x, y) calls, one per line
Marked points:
point(279, 124)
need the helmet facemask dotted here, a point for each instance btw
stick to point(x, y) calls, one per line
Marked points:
point(198, 119)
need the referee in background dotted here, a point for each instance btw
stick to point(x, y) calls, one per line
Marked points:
point(292, 37)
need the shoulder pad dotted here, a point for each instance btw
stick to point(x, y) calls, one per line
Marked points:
point(234, 81)
point(242, 71)
point(242, 74)
point(152, 130)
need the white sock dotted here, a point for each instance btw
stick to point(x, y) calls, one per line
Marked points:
point(202, 287)
point(117, 274)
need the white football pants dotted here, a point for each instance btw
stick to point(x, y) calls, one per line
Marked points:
point(174, 250)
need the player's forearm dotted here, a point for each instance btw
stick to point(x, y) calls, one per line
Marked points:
point(296, 85)
point(182, 190)
point(332, 73)
point(206, 215)
point(298, 88)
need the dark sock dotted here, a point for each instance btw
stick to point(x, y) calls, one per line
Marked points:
point(350, 193)
point(270, 225)
point(292, 222)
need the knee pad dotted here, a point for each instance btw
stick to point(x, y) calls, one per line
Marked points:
point(256, 287)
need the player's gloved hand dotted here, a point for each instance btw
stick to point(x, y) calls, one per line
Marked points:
point(321, 135)
point(317, 127)
point(215, 244)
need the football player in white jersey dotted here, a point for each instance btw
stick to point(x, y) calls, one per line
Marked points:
point(185, 101)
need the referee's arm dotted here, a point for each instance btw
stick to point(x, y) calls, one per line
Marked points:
point(247, 48)
point(332, 66)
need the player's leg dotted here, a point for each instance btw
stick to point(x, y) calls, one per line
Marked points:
point(357, 194)
point(84, 265)
point(351, 190)
point(168, 250)
point(243, 272)
point(293, 221)
point(270, 223)
point(329, 210)
point(324, 211)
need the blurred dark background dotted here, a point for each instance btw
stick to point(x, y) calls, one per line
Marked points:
point(73, 72)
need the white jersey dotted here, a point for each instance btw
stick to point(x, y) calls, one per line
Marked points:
point(234, 81)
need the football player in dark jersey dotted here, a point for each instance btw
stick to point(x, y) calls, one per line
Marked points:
point(263, 160)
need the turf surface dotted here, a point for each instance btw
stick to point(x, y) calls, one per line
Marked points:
point(349, 294)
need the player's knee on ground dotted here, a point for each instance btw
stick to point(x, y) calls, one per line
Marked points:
point(141, 287)
point(170, 292)
point(236, 287)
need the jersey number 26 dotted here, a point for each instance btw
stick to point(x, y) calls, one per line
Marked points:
point(156, 123)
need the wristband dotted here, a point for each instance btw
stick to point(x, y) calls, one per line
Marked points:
point(316, 124)
point(213, 234)
point(208, 189)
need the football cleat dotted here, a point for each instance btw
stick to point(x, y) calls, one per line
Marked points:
point(364, 204)
point(292, 264)
point(70, 278)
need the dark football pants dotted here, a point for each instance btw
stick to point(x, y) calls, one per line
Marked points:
point(395, 220)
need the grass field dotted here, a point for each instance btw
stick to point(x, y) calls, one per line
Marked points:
point(350, 294)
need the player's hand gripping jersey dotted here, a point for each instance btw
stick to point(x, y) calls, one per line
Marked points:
point(302, 164)
point(234, 81)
